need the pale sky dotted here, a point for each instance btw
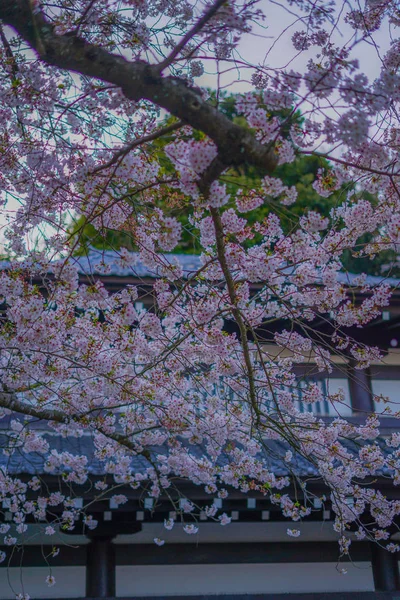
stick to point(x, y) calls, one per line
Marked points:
point(267, 46)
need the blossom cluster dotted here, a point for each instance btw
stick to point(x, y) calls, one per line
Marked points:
point(172, 371)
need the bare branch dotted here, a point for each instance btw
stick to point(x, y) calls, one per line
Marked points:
point(147, 138)
point(191, 33)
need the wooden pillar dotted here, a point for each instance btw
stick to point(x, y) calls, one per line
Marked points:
point(360, 389)
point(385, 569)
point(100, 567)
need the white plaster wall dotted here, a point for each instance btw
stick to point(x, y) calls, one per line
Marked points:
point(389, 388)
point(192, 580)
point(241, 579)
point(334, 385)
point(236, 532)
point(392, 358)
point(70, 582)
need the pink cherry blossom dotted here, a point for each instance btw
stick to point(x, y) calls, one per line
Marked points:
point(188, 365)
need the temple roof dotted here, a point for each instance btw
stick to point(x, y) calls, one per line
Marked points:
point(33, 463)
point(109, 263)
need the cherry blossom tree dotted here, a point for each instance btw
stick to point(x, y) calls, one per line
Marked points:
point(83, 84)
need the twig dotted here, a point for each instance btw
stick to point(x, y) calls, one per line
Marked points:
point(192, 32)
point(147, 138)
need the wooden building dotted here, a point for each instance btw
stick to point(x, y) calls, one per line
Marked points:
point(253, 556)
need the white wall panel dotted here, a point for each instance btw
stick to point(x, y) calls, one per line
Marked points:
point(241, 579)
point(389, 388)
point(236, 532)
point(333, 386)
point(70, 582)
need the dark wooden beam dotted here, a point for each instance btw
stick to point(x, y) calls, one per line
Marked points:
point(100, 568)
point(360, 389)
point(385, 569)
point(237, 553)
point(221, 553)
point(385, 372)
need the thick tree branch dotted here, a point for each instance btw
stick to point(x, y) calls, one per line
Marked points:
point(230, 284)
point(211, 174)
point(138, 80)
point(9, 54)
point(10, 402)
